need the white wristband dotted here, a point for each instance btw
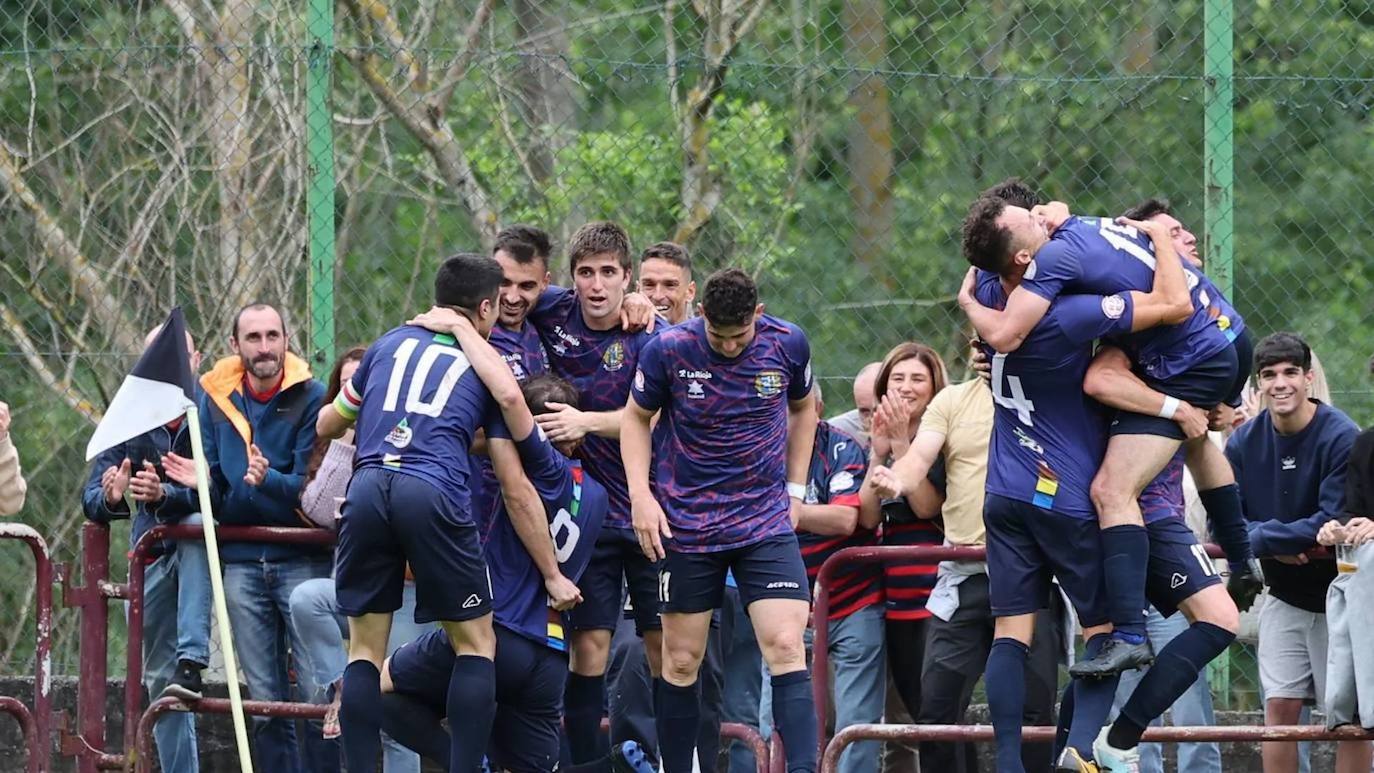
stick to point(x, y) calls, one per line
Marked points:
point(796, 490)
point(1169, 409)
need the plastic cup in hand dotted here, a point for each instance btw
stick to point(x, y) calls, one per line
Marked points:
point(1345, 558)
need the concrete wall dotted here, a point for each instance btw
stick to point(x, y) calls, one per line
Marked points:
point(217, 736)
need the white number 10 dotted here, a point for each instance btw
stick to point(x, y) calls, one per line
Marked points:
point(414, 403)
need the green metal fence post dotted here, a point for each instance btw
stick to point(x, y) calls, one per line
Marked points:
point(1219, 140)
point(1219, 161)
point(319, 127)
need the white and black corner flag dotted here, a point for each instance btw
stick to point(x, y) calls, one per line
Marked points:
point(158, 390)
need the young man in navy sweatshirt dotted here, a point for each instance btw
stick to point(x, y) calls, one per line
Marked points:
point(1290, 464)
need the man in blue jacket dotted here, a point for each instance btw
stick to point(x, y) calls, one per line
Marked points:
point(176, 589)
point(258, 415)
point(1290, 464)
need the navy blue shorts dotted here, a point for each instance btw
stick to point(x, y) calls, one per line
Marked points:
point(1029, 546)
point(391, 519)
point(769, 569)
point(1179, 565)
point(529, 694)
point(617, 562)
point(1217, 380)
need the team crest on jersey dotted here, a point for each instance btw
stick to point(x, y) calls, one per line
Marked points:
point(614, 358)
point(768, 384)
point(1113, 306)
point(400, 435)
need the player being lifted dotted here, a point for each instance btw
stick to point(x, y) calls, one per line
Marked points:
point(730, 464)
point(1197, 359)
point(417, 405)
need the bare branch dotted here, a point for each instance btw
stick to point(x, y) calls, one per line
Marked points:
point(64, 389)
point(459, 67)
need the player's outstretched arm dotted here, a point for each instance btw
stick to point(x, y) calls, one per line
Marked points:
point(1168, 302)
point(331, 424)
point(1111, 381)
point(565, 422)
point(526, 512)
point(1003, 330)
point(636, 450)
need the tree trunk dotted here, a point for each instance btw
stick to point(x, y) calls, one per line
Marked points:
point(869, 154)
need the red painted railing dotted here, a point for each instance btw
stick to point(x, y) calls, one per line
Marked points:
point(36, 725)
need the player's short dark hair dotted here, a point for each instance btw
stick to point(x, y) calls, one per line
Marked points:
point(255, 306)
point(672, 252)
point(535, 241)
point(599, 237)
point(730, 298)
point(1014, 191)
point(466, 279)
point(986, 244)
point(1155, 205)
point(1283, 347)
point(548, 388)
point(911, 350)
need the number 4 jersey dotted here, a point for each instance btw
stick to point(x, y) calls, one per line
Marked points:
point(1048, 437)
point(576, 505)
point(418, 404)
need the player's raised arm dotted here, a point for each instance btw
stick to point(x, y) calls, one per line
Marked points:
point(1003, 330)
point(490, 368)
point(337, 417)
point(1169, 301)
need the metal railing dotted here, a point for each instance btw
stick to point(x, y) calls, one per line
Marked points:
point(36, 725)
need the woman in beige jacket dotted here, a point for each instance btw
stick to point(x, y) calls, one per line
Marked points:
point(12, 485)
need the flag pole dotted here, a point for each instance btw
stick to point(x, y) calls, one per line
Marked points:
point(231, 671)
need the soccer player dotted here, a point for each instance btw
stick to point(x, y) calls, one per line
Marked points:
point(665, 277)
point(584, 331)
point(417, 406)
point(1048, 440)
point(730, 464)
point(531, 654)
point(523, 252)
point(1194, 356)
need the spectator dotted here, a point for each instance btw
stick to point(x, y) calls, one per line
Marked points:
point(176, 585)
point(908, 378)
point(1290, 463)
point(259, 411)
point(12, 486)
point(315, 615)
point(857, 422)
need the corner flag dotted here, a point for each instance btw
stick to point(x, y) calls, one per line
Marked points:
point(158, 390)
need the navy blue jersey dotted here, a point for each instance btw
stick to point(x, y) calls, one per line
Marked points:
point(600, 363)
point(1048, 437)
point(522, 351)
point(1095, 256)
point(418, 403)
point(576, 507)
point(720, 457)
point(838, 466)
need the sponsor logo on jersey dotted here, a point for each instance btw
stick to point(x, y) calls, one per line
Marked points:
point(472, 601)
point(400, 435)
point(813, 496)
point(780, 584)
point(841, 481)
point(1177, 580)
point(768, 384)
point(614, 358)
point(1289, 462)
point(1026, 441)
point(639, 380)
point(695, 391)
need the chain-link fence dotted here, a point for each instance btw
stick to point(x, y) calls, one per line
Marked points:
point(324, 156)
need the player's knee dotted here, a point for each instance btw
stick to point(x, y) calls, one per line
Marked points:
point(681, 663)
point(1223, 614)
point(589, 652)
point(1109, 493)
point(783, 650)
